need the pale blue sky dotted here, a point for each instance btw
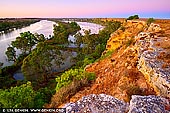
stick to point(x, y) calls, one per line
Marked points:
point(84, 8)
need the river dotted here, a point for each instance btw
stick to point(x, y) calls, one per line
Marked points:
point(43, 27)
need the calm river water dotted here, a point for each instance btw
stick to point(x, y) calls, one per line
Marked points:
point(43, 27)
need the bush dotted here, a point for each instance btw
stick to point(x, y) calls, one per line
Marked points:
point(69, 83)
point(73, 74)
point(122, 28)
point(87, 60)
point(66, 92)
point(107, 54)
point(133, 17)
point(21, 97)
point(129, 42)
point(150, 20)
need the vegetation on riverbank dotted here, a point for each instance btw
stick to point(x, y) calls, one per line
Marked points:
point(36, 66)
point(38, 62)
point(6, 24)
point(76, 78)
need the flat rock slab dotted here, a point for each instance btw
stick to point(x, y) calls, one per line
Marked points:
point(101, 103)
point(148, 104)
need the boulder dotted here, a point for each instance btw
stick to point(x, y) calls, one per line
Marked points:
point(101, 103)
point(148, 104)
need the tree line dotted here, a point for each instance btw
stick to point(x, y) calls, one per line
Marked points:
point(36, 57)
point(6, 25)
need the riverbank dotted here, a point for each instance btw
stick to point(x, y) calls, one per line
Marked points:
point(10, 24)
point(37, 65)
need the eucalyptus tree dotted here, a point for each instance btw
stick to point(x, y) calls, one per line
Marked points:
point(38, 65)
point(11, 54)
point(24, 42)
point(78, 39)
point(63, 30)
point(1, 64)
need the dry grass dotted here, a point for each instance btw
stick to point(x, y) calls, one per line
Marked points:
point(166, 65)
point(66, 92)
point(165, 44)
point(165, 56)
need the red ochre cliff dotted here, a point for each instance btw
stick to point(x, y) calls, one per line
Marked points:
point(134, 70)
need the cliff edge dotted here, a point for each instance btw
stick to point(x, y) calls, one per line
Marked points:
point(133, 74)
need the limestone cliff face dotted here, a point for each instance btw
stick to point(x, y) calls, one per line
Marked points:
point(153, 50)
point(141, 67)
point(154, 57)
point(128, 31)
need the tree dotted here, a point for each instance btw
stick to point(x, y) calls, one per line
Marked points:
point(98, 50)
point(39, 37)
point(78, 39)
point(63, 30)
point(74, 27)
point(22, 97)
point(25, 42)
point(38, 65)
point(60, 34)
point(11, 54)
point(7, 24)
point(133, 17)
point(1, 64)
point(150, 20)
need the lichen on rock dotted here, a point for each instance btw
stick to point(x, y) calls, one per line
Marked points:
point(148, 104)
point(101, 103)
point(149, 63)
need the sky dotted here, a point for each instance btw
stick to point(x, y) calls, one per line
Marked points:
point(84, 8)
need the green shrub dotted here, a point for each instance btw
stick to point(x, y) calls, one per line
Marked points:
point(129, 42)
point(150, 20)
point(66, 92)
point(73, 74)
point(22, 97)
point(107, 54)
point(133, 17)
point(87, 60)
point(122, 28)
point(69, 83)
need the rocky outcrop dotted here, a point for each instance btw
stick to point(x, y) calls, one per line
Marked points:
point(103, 103)
point(154, 63)
point(148, 104)
point(128, 30)
point(97, 104)
point(131, 71)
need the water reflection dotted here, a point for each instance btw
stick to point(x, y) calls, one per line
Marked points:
point(43, 27)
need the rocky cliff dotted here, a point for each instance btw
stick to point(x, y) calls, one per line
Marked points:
point(126, 33)
point(134, 77)
point(107, 104)
point(154, 59)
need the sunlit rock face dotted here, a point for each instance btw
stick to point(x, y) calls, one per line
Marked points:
point(154, 59)
point(147, 59)
point(153, 52)
point(128, 30)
